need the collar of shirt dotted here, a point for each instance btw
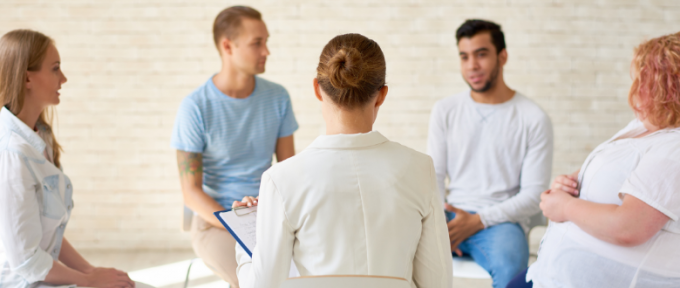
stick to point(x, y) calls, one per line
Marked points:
point(14, 124)
point(348, 141)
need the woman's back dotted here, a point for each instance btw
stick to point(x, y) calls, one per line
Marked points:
point(359, 204)
point(352, 202)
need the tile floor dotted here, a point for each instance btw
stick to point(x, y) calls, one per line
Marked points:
point(167, 269)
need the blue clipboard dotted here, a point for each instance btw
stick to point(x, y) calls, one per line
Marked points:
point(233, 234)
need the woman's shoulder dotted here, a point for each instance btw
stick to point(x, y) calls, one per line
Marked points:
point(14, 146)
point(665, 144)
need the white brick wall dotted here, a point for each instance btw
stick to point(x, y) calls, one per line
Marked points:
point(130, 63)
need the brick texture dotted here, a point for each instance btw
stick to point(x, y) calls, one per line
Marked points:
point(130, 63)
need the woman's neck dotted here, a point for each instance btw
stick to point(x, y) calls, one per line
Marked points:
point(349, 121)
point(29, 115)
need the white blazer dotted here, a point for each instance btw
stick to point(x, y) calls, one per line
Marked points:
point(350, 204)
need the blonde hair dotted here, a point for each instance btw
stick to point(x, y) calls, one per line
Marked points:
point(22, 51)
point(655, 93)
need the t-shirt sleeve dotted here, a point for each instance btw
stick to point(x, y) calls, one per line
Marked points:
point(188, 133)
point(656, 181)
point(288, 123)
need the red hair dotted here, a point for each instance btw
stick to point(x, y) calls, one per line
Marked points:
point(655, 93)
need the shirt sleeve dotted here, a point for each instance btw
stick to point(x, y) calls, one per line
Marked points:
point(272, 255)
point(432, 264)
point(534, 179)
point(656, 181)
point(20, 225)
point(436, 148)
point(288, 124)
point(188, 134)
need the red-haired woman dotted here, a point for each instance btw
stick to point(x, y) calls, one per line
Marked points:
point(35, 195)
point(615, 222)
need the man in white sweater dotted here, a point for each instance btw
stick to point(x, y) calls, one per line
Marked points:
point(495, 146)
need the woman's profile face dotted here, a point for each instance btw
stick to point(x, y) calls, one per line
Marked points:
point(42, 86)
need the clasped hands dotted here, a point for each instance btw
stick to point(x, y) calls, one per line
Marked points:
point(107, 278)
point(462, 227)
point(555, 200)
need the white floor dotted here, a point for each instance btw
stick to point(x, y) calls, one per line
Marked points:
point(167, 269)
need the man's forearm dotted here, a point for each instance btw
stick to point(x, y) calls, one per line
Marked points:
point(515, 209)
point(191, 178)
point(198, 201)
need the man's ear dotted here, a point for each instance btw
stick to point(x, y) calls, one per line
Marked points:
point(503, 57)
point(317, 92)
point(226, 46)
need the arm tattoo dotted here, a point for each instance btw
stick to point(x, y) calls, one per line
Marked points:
point(189, 163)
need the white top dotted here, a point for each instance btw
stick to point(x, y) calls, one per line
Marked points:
point(497, 157)
point(35, 204)
point(647, 168)
point(350, 205)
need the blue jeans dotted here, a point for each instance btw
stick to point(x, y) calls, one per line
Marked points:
point(502, 250)
point(520, 281)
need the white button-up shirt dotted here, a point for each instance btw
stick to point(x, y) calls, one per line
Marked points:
point(350, 204)
point(35, 204)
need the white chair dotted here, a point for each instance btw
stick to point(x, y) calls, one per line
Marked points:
point(465, 267)
point(187, 217)
point(345, 281)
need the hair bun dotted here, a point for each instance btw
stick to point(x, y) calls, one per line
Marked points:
point(345, 68)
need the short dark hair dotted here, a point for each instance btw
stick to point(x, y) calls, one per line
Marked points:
point(472, 27)
point(228, 23)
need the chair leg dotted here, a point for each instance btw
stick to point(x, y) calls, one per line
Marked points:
point(186, 280)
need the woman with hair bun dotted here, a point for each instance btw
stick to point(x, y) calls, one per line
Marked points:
point(616, 221)
point(353, 202)
point(35, 194)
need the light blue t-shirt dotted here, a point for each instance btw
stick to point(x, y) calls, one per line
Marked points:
point(237, 137)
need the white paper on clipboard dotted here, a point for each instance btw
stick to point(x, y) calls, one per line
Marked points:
point(241, 224)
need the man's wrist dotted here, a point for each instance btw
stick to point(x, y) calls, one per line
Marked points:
point(479, 225)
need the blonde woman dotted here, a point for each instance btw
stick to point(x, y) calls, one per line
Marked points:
point(35, 195)
point(615, 222)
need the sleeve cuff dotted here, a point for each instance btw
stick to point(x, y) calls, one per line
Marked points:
point(36, 267)
point(488, 219)
point(186, 149)
point(289, 132)
point(650, 202)
point(243, 269)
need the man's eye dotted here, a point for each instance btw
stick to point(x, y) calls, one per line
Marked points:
point(55, 69)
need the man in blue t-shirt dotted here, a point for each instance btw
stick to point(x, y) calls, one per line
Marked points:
point(226, 132)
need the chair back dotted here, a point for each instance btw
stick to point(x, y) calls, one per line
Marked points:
point(187, 217)
point(344, 281)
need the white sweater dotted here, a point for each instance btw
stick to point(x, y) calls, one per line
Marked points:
point(497, 157)
point(350, 205)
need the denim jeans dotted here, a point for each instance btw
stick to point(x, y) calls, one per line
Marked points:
point(502, 250)
point(520, 281)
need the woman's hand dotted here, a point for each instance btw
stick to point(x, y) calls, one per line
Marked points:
point(554, 203)
point(247, 201)
point(566, 183)
point(108, 278)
